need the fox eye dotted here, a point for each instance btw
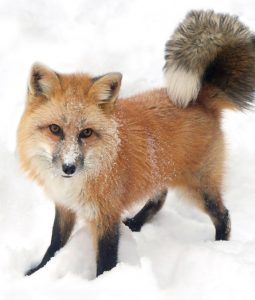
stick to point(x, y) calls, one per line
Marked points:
point(85, 133)
point(55, 129)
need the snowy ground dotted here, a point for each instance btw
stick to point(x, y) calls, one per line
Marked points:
point(175, 256)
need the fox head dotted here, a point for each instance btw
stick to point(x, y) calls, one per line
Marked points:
point(68, 126)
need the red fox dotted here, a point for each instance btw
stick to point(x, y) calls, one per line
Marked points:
point(95, 155)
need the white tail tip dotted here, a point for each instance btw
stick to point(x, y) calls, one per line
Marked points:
point(182, 86)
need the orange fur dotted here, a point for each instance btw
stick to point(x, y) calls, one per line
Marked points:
point(159, 145)
point(96, 156)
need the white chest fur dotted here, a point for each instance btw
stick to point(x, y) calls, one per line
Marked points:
point(71, 193)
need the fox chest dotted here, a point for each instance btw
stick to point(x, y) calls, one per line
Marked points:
point(72, 195)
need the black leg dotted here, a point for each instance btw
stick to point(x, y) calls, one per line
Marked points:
point(147, 212)
point(107, 249)
point(62, 228)
point(219, 215)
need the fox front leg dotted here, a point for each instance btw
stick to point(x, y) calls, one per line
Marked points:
point(62, 228)
point(106, 242)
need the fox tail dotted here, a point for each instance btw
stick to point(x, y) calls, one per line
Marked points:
point(210, 48)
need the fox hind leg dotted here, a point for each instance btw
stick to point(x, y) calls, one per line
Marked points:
point(218, 214)
point(210, 201)
point(152, 206)
point(62, 228)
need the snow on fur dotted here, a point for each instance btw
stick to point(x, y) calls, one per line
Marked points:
point(173, 257)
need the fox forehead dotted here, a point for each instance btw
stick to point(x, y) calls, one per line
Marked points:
point(70, 105)
point(72, 114)
point(74, 88)
point(73, 100)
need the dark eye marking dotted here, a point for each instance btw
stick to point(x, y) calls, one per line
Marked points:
point(56, 130)
point(85, 133)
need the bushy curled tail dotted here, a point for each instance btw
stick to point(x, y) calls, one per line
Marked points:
point(210, 48)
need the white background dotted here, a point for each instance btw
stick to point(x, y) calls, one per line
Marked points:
point(175, 256)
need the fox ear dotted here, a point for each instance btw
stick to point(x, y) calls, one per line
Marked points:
point(42, 81)
point(105, 89)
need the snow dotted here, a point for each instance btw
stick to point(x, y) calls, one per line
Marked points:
point(71, 153)
point(173, 257)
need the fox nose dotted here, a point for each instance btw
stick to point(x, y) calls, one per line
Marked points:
point(68, 169)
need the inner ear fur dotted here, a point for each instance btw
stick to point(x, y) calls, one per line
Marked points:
point(42, 81)
point(105, 89)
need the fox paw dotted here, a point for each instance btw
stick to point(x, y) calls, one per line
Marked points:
point(33, 270)
point(132, 224)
